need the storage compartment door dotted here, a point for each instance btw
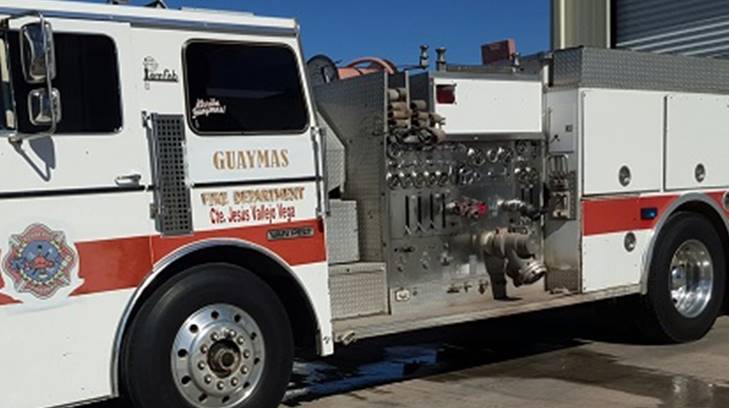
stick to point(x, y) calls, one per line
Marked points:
point(622, 133)
point(697, 141)
point(484, 107)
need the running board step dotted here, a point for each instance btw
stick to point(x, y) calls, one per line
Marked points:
point(358, 290)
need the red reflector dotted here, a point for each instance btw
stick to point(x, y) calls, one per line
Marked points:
point(445, 94)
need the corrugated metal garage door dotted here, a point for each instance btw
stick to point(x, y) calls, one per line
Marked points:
point(687, 27)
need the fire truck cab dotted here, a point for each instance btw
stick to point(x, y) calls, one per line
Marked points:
point(185, 212)
point(126, 132)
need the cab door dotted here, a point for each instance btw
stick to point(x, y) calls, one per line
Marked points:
point(75, 224)
point(253, 153)
point(250, 158)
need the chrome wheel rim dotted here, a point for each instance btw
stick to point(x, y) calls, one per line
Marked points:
point(218, 357)
point(692, 278)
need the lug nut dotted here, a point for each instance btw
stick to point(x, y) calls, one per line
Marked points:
point(201, 365)
point(204, 349)
point(244, 370)
point(221, 386)
point(241, 340)
point(247, 354)
point(208, 379)
point(234, 382)
point(231, 334)
point(215, 336)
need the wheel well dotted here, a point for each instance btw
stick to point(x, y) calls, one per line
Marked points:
point(710, 213)
point(293, 297)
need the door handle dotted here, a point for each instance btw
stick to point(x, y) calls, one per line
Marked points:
point(128, 179)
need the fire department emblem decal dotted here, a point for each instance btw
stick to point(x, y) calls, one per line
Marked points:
point(39, 261)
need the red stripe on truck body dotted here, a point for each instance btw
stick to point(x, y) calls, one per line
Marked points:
point(123, 263)
point(619, 214)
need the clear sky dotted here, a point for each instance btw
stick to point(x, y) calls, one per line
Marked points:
point(347, 29)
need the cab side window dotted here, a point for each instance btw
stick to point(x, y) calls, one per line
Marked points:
point(235, 88)
point(88, 81)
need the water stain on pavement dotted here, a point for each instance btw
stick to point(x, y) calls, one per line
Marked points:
point(544, 348)
point(588, 368)
point(367, 365)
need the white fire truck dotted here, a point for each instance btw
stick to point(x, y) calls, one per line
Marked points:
point(183, 213)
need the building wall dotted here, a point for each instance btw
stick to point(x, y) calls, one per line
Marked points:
point(686, 27)
point(580, 23)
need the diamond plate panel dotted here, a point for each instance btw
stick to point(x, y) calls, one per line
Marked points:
point(623, 69)
point(358, 290)
point(172, 194)
point(356, 110)
point(342, 232)
point(335, 157)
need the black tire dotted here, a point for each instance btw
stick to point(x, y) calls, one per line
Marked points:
point(659, 320)
point(146, 370)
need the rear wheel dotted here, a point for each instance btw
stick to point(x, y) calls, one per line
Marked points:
point(686, 281)
point(215, 336)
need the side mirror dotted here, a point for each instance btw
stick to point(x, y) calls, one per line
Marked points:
point(38, 52)
point(44, 109)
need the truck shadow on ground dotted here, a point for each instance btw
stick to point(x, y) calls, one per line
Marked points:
point(538, 346)
point(534, 347)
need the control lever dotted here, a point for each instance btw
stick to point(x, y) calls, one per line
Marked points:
point(468, 208)
point(521, 207)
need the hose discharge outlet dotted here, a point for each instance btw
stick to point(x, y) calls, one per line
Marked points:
point(518, 252)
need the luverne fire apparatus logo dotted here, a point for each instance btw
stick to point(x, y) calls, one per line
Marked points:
point(39, 262)
point(153, 72)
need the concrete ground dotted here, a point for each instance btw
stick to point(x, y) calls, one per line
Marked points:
point(573, 357)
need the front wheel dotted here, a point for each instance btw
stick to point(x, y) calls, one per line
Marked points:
point(686, 281)
point(215, 336)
